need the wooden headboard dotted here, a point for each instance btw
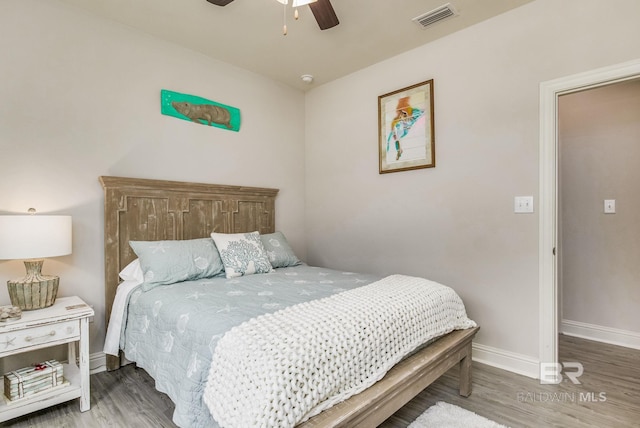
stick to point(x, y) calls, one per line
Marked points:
point(151, 210)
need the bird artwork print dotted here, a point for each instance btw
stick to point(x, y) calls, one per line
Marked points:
point(406, 116)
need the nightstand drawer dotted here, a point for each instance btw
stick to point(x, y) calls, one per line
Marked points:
point(35, 336)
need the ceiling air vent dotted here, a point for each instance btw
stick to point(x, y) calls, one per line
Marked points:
point(436, 15)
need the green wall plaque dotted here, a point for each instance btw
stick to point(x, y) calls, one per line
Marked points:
point(199, 110)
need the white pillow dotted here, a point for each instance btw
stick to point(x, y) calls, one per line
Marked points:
point(242, 253)
point(132, 272)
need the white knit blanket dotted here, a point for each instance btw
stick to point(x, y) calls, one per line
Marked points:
point(280, 369)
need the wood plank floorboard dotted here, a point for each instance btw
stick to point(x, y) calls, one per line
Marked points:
point(127, 397)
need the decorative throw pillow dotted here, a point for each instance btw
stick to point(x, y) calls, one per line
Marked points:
point(168, 262)
point(278, 250)
point(242, 253)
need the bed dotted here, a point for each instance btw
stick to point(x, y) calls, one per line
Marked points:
point(159, 210)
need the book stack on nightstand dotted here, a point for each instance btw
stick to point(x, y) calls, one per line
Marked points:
point(67, 321)
point(22, 383)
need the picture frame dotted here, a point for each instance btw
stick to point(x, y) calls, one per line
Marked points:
point(406, 132)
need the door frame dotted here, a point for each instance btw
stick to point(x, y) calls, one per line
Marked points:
point(548, 206)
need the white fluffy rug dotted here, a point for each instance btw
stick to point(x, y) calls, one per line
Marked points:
point(445, 415)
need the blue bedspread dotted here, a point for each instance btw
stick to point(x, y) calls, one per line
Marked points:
point(171, 331)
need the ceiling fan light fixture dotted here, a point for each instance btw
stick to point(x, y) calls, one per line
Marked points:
point(322, 11)
point(294, 4)
point(297, 3)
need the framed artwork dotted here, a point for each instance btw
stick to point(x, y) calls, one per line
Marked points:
point(406, 138)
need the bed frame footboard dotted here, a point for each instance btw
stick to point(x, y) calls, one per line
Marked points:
point(403, 382)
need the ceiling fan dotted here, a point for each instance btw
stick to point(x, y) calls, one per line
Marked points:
point(322, 11)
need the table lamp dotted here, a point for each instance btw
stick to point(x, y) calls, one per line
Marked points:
point(34, 237)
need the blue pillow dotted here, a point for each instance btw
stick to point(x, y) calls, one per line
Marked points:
point(278, 250)
point(168, 262)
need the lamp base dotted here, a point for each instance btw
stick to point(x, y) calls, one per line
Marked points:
point(34, 291)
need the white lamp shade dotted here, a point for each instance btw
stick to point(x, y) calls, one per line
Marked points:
point(34, 236)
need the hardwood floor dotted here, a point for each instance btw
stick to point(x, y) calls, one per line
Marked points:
point(608, 396)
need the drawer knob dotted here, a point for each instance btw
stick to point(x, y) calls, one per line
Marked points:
point(44, 336)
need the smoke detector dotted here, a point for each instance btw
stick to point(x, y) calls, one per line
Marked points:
point(436, 15)
point(307, 78)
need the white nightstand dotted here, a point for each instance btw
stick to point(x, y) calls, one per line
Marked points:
point(67, 321)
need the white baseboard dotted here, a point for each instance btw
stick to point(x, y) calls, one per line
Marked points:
point(510, 361)
point(494, 357)
point(613, 336)
point(517, 363)
point(97, 362)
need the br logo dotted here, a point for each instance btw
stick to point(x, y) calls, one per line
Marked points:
point(551, 373)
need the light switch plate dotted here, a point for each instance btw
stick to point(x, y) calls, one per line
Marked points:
point(523, 204)
point(609, 206)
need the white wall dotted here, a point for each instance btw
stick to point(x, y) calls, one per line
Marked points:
point(599, 141)
point(81, 98)
point(455, 223)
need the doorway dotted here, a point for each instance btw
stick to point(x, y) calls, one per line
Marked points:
point(548, 215)
point(598, 206)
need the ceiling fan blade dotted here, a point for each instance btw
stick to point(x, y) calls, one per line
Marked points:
point(324, 13)
point(220, 2)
